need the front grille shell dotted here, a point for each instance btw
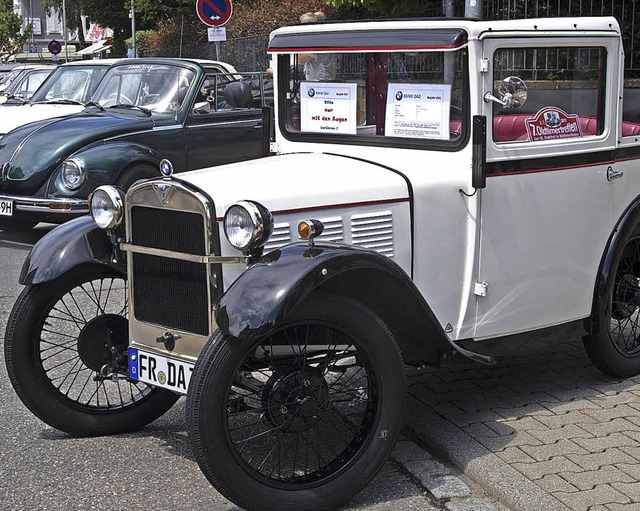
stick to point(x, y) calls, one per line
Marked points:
point(171, 295)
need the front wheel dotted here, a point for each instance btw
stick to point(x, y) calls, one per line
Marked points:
point(303, 418)
point(614, 340)
point(66, 349)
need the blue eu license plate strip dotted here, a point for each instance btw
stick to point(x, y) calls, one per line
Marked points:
point(159, 371)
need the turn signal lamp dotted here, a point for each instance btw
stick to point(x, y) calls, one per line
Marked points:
point(310, 229)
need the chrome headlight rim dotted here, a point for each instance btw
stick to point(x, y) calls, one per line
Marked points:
point(78, 164)
point(261, 225)
point(106, 206)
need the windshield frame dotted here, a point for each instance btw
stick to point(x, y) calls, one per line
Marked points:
point(190, 72)
point(285, 76)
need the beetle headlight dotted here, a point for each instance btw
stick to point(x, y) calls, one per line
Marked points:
point(107, 206)
point(72, 173)
point(248, 225)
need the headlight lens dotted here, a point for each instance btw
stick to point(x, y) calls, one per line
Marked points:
point(107, 206)
point(73, 174)
point(248, 225)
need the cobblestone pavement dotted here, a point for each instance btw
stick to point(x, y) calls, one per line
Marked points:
point(543, 429)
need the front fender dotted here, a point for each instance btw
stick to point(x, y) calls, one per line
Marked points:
point(262, 297)
point(71, 244)
point(105, 161)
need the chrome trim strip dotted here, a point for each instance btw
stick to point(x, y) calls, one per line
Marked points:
point(29, 204)
point(206, 259)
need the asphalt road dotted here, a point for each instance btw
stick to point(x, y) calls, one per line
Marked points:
point(46, 470)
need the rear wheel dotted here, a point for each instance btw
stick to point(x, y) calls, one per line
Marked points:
point(66, 355)
point(614, 341)
point(303, 418)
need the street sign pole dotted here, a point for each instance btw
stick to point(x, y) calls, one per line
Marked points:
point(133, 29)
point(64, 30)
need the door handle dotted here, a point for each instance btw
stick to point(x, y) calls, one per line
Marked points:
point(257, 126)
point(613, 174)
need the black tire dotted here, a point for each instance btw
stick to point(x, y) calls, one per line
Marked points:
point(613, 343)
point(135, 173)
point(56, 343)
point(340, 410)
point(12, 225)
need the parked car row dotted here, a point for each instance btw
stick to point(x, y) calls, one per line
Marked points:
point(94, 123)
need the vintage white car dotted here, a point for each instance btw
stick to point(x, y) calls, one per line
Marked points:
point(451, 181)
point(66, 91)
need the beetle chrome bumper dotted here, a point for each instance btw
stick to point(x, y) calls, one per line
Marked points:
point(58, 206)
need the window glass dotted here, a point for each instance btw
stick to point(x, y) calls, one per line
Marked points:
point(565, 93)
point(236, 91)
point(75, 83)
point(410, 97)
point(157, 87)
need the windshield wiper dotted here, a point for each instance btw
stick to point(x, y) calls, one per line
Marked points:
point(58, 101)
point(11, 97)
point(132, 107)
point(93, 103)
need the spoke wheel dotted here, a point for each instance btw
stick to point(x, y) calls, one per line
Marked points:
point(66, 354)
point(301, 412)
point(614, 341)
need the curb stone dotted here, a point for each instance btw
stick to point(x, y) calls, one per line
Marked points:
point(475, 461)
point(445, 487)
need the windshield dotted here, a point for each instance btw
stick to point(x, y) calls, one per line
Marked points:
point(416, 97)
point(28, 83)
point(160, 88)
point(11, 76)
point(75, 83)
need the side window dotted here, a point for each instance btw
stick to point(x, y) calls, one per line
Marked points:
point(223, 92)
point(631, 104)
point(565, 93)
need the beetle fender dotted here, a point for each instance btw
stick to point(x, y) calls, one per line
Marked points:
point(69, 245)
point(109, 159)
point(263, 297)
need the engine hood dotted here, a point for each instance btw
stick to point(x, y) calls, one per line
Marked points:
point(36, 149)
point(293, 182)
point(24, 114)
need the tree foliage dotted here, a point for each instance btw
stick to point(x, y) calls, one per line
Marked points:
point(391, 8)
point(11, 34)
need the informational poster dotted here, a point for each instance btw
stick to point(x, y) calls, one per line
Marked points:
point(418, 110)
point(328, 107)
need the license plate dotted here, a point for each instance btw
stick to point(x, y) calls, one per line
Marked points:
point(160, 371)
point(6, 207)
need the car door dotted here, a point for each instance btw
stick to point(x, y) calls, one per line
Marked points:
point(224, 122)
point(547, 206)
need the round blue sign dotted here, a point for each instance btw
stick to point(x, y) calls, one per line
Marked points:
point(214, 13)
point(54, 47)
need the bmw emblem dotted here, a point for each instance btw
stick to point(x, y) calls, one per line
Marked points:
point(166, 168)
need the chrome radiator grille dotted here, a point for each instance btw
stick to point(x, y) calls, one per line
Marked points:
point(169, 292)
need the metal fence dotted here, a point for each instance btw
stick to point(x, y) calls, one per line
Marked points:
point(249, 53)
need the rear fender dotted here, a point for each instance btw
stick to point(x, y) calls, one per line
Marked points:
point(264, 296)
point(76, 242)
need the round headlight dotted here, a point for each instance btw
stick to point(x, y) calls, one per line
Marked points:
point(248, 225)
point(107, 206)
point(73, 174)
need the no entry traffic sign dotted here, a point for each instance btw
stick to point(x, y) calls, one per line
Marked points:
point(214, 13)
point(54, 47)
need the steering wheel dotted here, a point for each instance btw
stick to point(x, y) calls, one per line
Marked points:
point(113, 99)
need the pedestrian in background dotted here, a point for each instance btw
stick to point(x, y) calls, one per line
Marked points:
point(318, 67)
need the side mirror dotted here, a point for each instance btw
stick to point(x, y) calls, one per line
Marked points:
point(512, 92)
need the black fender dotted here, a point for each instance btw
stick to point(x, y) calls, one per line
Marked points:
point(76, 242)
point(106, 160)
point(627, 223)
point(265, 294)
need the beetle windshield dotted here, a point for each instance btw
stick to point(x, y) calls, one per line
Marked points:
point(159, 88)
point(414, 97)
point(73, 83)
